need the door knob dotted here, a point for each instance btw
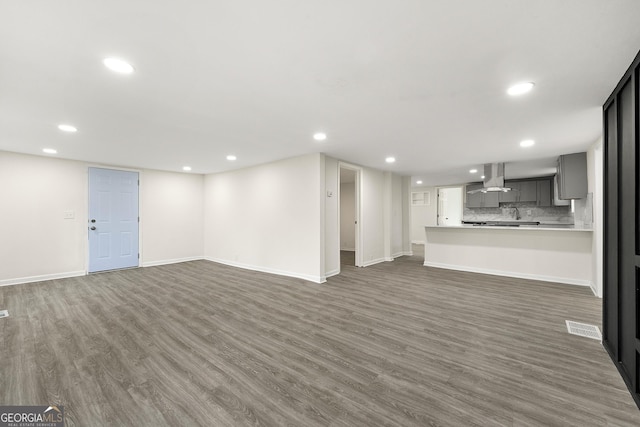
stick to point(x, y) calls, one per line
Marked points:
point(93, 220)
point(93, 228)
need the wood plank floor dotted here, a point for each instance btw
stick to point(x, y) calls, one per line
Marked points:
point(395, 344)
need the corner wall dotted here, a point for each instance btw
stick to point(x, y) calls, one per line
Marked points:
point(267, 218)
point(172, 212)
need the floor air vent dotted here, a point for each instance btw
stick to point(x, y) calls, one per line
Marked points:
point(584, 330)
point(4, 313)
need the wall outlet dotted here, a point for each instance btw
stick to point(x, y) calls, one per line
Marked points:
point(329, 193)
point(69, 215)
point(529, 212)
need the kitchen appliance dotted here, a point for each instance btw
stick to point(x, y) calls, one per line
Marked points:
point(493, 180)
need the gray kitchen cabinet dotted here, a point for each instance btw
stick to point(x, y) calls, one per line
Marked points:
point(572, 176)
point(491, 200)
point(522, 191)
point(510, 196)
point(474, 200)
point(481, 200)
point(543, 188)
point(528, 191)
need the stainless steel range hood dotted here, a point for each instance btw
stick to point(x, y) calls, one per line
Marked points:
point(493, 179)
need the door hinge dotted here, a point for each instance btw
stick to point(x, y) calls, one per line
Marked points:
point(138, 256)
point(138, 183)
point(138, 219)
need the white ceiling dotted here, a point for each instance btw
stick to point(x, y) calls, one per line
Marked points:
point(421, 80)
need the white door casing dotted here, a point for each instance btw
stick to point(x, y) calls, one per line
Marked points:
point(113, 219)
point(450, 201)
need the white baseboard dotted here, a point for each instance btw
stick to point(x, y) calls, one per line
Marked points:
point(332, 273)
point(348, 249)
point(373, 261)
point(403, 253)
point(171, 261)
point(42, 278)
point(565, 280)
point(417, 242)
point(399, 254)
point(309, 277)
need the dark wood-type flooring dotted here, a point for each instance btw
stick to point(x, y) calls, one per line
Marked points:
point(399, 344)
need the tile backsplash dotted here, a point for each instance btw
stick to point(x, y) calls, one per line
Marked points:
point(524, 211)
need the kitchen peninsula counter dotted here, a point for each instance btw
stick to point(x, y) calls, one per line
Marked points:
point(553, 253)
point(554, 227)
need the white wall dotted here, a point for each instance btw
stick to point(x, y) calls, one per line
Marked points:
point(348, 216)
point(172, 209)
point(38, 244)
point(268, 217)
point(406, 215)
point(423, 215)
point(372, 216)
point(595, 171)
point(397, 242)
point(275, 217)
point(332, 217)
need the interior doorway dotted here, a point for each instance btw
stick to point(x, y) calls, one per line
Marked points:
point(349, 212)
point(450, 202)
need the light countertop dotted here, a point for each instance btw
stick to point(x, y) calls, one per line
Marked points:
point(541, 227)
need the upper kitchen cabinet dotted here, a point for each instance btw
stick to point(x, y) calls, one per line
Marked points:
point(474, 200)
point(479, 199)
point(491, 200)
point(528, 191)
point(523, 191)
point(572, 176)
point(543, 188)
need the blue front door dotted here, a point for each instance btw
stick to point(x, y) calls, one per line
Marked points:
point(113, 219)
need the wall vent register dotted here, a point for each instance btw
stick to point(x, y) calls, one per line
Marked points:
point(584, 330)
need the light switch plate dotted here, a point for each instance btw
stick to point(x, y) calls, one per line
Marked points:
point(4, 313)
point(329, 193)
point(69, 215)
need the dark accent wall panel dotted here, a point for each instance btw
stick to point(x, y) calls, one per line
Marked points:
point(610, 311)
point(627, 219)
point(621, 317)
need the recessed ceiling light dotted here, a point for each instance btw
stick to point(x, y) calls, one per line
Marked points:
point(319, 136)
point(49, 150)
point(520, 88)
point(390, 159)
point(186, 168)
point(418, 182)
point(482, 177)
point(527, 143)
point(67, 128)
point(118, 65)
point(231, 157)
point(473, 170)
